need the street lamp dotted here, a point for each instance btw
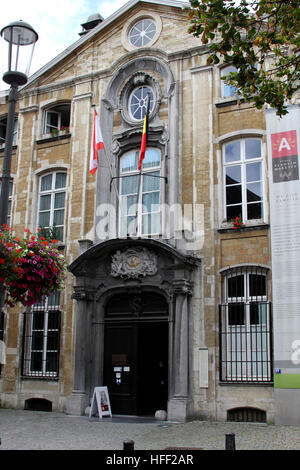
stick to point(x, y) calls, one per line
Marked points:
point(21, 39)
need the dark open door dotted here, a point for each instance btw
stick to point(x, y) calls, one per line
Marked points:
point(120, 369)
point(136, 354)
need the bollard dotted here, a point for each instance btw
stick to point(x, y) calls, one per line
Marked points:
point(128, 445)
point(229, 441)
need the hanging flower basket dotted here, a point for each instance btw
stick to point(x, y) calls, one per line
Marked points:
point(29, 268)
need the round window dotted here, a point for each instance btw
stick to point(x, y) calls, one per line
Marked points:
point(142, 32)
point(138, 102)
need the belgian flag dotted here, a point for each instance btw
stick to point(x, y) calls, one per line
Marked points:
point(144, 135)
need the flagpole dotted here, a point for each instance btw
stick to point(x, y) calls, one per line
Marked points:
point(145, 131)
point(109, 165)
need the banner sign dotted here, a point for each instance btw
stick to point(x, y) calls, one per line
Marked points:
point(283, 136)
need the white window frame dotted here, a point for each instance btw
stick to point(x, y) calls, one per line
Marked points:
point(137, 229)
point(52, 192)
point(144, 106)
point(225, 87)
point(242, 162)
point(141, 36)
point(48, 128)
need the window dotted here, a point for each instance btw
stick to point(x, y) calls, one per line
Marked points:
point(243, 172)
point(9, 209)
point(227, 89)
point(138, 102)
point(52, 202)
point(41, 338)
point(142, 32)
point(245, 333)
point(57, 118)
point(140, 209)
point(3, 126)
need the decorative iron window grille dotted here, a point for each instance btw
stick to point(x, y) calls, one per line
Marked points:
point(41, 339)
point(245, 327)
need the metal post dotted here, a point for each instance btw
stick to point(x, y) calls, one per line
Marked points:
point(5, 178)
point(229, 441)
point(128, 445)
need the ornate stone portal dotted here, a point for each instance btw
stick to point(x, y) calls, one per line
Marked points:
point(133, 267)
point(133, 262)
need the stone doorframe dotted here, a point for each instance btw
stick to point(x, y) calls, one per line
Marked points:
point(128, 265)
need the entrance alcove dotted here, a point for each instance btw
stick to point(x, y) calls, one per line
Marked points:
point(133, 328)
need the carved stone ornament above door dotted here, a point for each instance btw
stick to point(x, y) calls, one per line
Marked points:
point(133, 262)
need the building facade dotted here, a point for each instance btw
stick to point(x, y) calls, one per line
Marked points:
point(166, 303)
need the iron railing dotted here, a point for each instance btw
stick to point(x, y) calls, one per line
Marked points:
point(41, 342)
point(245, 331)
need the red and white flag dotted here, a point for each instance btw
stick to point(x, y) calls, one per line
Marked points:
point(97, 144)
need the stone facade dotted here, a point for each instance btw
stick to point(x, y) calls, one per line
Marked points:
point(190, 125)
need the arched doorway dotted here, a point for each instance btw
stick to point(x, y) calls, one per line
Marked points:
point(136, 353)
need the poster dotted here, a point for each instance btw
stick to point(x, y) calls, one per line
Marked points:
point(100, 403)
point(284, 189)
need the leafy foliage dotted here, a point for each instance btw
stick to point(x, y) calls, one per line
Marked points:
point(258, 37)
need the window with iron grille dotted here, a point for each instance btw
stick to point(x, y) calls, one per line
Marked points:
point(41, 338)
point(245, 326)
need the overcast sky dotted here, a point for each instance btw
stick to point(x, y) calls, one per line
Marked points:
point(57, 23)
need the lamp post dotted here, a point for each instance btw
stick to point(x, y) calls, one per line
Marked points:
point(21, 39)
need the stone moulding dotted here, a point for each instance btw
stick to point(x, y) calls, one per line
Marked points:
point(133, 263)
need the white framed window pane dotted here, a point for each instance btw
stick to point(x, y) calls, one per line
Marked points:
point(151, 181)
point(58, 218)
point(233, 174)
point(253, 172)
point(44, 219)
point(59, 200)
point(52, 121)
point(234, 211)
point(129, 162)
point(233, 151)
point(46, 183)
point(254, 211)
point(252, 148)
point(129, 184)
point(152, 158)
point(59, 231)
point(254, 192)
point(150, 202)
point(227, 89)
point(45, 202)
point(131, 205)
point(151, 223)
point(60, 180)
point(234, 194)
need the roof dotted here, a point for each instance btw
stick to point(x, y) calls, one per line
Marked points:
point(97, 29)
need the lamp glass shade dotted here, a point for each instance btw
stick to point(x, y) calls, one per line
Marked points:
point(21, 39)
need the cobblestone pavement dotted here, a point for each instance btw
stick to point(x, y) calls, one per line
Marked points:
point(36, 430)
